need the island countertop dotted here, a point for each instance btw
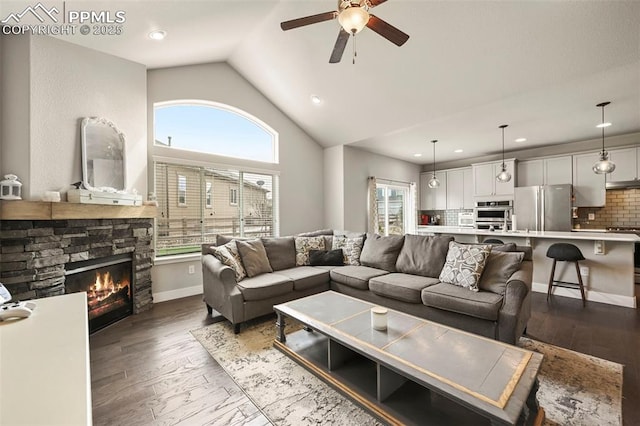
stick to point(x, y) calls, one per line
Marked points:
point(575, 235)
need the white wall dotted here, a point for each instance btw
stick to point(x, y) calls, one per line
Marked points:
point(300, 157)
point(358, 166)
point(65, 82)
point(334, 187)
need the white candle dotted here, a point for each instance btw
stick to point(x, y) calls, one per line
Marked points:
point(514, 225)
point(379, 318)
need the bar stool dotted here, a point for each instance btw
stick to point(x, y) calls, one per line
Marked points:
point(493, 241)
point(565, 252)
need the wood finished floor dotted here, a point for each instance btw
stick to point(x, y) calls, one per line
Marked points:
point(148, 369)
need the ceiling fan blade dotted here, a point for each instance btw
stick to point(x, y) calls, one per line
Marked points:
point(308, 20)
point(338, 49)
point(387, 30)
point(375, 3)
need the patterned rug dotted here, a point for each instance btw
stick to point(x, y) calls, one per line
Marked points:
point(575, 389)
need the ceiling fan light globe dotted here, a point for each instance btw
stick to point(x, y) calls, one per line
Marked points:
point(353, 19)
point(433, 183)
point(503, 176)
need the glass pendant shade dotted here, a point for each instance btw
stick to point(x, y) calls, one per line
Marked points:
point(504, 175)
point(603, 165)
point(353, 19)
point(434, 182)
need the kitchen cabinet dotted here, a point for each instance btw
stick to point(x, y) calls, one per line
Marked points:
point(545, 171)
point(485, 184)
point(459, 189)
point(433, 198)
point(626, 161)
point(588, 187)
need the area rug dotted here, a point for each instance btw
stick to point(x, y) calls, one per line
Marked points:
point(575, 389)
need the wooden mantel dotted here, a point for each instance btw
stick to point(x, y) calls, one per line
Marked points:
point(42, 210)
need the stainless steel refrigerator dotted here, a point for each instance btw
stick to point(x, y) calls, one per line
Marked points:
point(543, 208)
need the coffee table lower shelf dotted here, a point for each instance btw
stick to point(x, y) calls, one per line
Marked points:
point(390, 397)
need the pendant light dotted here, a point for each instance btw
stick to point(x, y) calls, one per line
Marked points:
point(604, 165)
point(504, 175)
point(434, 182)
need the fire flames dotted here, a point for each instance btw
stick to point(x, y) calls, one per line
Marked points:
point(106, 289)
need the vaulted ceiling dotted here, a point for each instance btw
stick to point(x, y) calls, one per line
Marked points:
point(469, 66)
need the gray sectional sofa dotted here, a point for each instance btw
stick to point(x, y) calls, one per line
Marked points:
point(400, 272)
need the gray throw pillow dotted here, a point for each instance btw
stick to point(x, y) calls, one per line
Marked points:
point(499, 267)
point(464, 264)
point(224, 239)
point(381, 252)
point(281, 252)
point(503, 247)
point(254, 257)
point(423, 255)
point(304, 245)
point(228, 255)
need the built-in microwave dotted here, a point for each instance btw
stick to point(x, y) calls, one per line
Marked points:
point(496, 214)
point(466, 220)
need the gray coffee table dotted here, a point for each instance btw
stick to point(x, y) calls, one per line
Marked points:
point(415, 372)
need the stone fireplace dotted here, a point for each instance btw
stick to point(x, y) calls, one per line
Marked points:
point(37, 255)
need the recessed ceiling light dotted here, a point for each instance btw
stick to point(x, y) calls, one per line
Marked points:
point(601, 125)
point(521, 140)
point(458, 151)
point(316, 99)
point(157, 35)
point(417, 155)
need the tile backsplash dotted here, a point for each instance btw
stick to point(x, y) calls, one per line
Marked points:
point(447, 217)
point(622, 209)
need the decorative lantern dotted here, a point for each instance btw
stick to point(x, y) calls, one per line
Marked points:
point(10, 188)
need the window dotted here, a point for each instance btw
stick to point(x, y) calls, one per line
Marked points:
point(207, 211)
point(207, 196)
point(182, 191)
point(212, 128)
point(394, 203)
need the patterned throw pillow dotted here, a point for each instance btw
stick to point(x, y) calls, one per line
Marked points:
point(464, 264)
point(303, 245)
point(351, 248)
point(228, 254)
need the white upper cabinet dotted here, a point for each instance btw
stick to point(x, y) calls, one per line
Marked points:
point(433, 198)
point(588, 187)
point(485, 184)
point(459, 189)
point(545, 171)
point(626, 161)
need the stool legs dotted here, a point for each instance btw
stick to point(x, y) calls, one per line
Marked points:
point(551, 278)
point(584, 303)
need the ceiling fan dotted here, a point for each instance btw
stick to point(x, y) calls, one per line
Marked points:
point(353, 16)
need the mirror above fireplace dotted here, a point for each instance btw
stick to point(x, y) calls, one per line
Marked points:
point(103, 156)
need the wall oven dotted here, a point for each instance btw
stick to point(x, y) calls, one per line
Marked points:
point(493, 214)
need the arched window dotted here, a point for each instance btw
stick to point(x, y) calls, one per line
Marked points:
point(213, 128)
point(201, 196)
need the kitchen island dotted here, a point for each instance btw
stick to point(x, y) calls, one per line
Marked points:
point(607, 271)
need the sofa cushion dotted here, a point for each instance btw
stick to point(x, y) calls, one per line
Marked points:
point(265, 286)
point(254, 257)
point(404, 287)
point(500, 266)
point(464, 264)
point(224, 239)
point(326, 257)
point(483, 304)
point(503, 247)
point(355, 276)
point(423, 255)
point(304, 245)
point(381, 252)
point(306, 277)
point(351, 248)
point(229, 256)
point(281, 252)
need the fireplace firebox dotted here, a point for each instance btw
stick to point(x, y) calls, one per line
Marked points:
point(109, 287)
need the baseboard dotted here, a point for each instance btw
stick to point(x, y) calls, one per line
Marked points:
point(163, 296)
point(591, 295)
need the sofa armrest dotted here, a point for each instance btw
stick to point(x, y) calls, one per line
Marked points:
point(516, 308)
point(220, 289)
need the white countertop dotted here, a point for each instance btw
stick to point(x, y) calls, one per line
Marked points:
point(582, 234)
point(44, 364)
